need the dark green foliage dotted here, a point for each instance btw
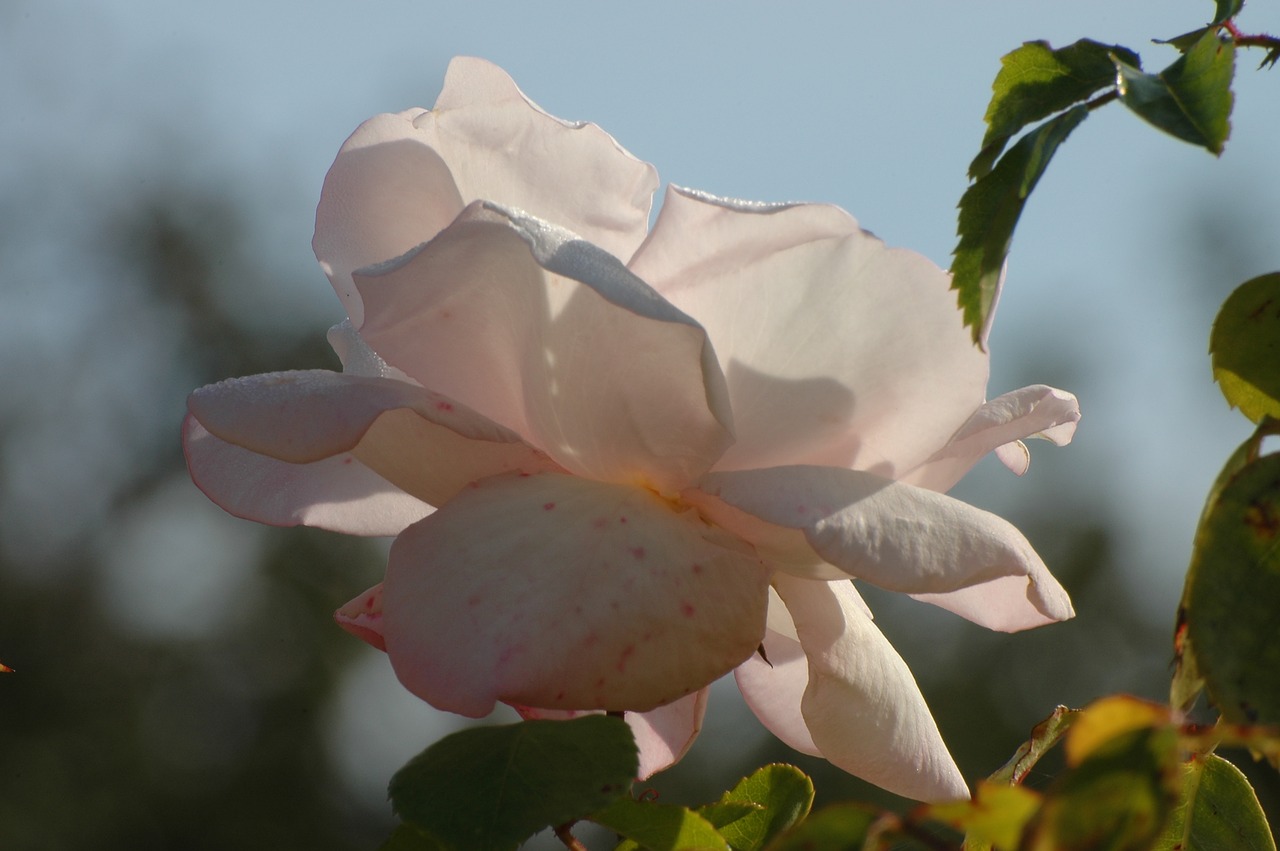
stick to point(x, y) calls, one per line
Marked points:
point(1191, 99)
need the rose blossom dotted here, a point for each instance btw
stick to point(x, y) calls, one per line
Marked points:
point(621, 463)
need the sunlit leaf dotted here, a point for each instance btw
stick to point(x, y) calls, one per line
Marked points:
point(989, 212)
point(995, 818)
point(1231, 605)
point(1191, 99)
point(492, 787)
point(1219, 811)
point(836, 828)
point(1119, 798)
point(1043, 737)
point(1035, 81)
point(659, 827)
point(782, 795)
point(1245, 347)
point(1107, 718)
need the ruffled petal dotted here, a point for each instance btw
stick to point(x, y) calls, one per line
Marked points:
point(999, 426)
point(838, 350)
point(502, 147)
point(555, 339)
point(898, 536)
point(387, 191)
point(861, 705)
point(663, 735)
point(338, 493)
point(421, 442)
point(557, 592)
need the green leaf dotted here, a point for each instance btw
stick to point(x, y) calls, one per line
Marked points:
point(1227, 9)
point(1231, 605)
point(782, 794)
point(989, 211)
point(1245, 347)
point(994, 818)
point(1119, 798)
point(1043, 737)
point(836, 828)
point(408, 838)
point(1191, 99)
point(660, 827)
point(492, 787)
point(1219, 811)
point(1035, 81)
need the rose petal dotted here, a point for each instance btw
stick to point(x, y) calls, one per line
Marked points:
point(897, 536)
point(553, 338)
point(773, 687)
point(1000, 425)
point(837, 350)
point(557, 592)
point(362, 617)
point(861, 705)
point(422, 442)
point(502, 147)
point(338, 493)
point(663, 735)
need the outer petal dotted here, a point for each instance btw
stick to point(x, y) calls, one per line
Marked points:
point(362, 617)
point(557, 592)
point(773, 688)
point(861, 705)
point(837, 350)
point(663, 735)
point(420, 441)
point(553, 338)
point(502, 147)
point(338, 493)
point(1000, 425)
point(900, 537)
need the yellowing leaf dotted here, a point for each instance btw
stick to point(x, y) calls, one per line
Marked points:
point(1108, 718)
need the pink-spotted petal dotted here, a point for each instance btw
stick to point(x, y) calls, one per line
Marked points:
point(555, 339)
point(837, 350)
point(337, 493)
point(362, 617)
point(502, 147)
point(663, 735)
point(421, 442)
point(1000, 425)
point(557, 592)
point(861, 704)
point(897, 536)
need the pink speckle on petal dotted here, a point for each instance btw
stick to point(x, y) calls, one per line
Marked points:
point(626, 655)
point(638, 552)
point(622, 519)
point(697, 568)
point(347, 460)
point(474, 600)
point(686, 609)
point(444, 406)
point(599, 523)
point(547, 506)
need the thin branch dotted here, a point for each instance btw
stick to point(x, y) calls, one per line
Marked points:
point(564, 833)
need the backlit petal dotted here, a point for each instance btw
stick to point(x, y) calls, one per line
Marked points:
point(420, 441)
point(898, 536)
point(837, 350)
point(338, 493)
point(553, 338)
point(1035, 411)
point(362, 617)
point(861, 705)
point(773, 684)
point(562, 593)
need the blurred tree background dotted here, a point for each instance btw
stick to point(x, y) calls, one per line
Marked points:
point(179, 681)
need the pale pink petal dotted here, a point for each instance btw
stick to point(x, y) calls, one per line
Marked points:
point(362, 617)
point(663, 735)
point(386, 192)
point(551, 337)
point(999, 426)
point(773, 684)
point(558, 592)
point(502, 147)
point(837, 350)
point(338, 493)
point(357, 357)
point(861, 705)
point(897, 536)
point(421, 442)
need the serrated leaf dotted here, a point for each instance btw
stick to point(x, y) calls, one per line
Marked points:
point(836, 828)
point(1232, 597)
point(783, 795)
point(489, 788)
point(660, 827)
point(1219, 811)
point(1244, 347)
point(989, 212)
point(1035, 81)
point(1044, 736)
point(1191, 99)
point(994, 818)
point(1120, 797)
